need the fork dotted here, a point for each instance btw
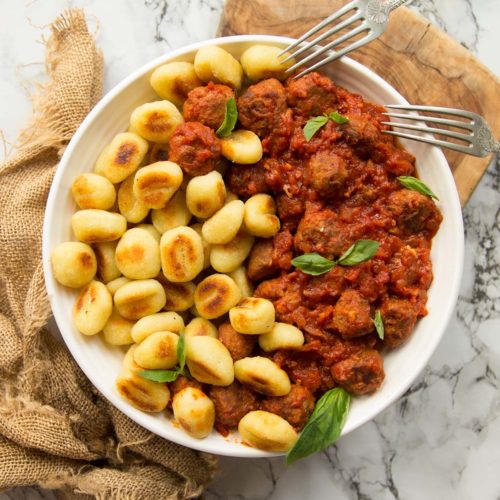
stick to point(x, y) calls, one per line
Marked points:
point(373, 14)
point(478, 136)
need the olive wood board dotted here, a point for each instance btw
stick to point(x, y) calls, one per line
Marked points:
point(418, 59)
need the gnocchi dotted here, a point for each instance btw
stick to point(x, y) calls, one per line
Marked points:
point(241, 279)
point(242, 146)
point(156, 121)
point(213, 64)
point(173, 81)
point(93, 191)
point(137, 255)
point(282, 336)
point(113, 285)
point(74, 264)
point(180, 296)
point(174, 214)
point(267, 431)
point(209, 361)
point(151, 230)
point(106, 264)
point(140, 298)
point(215, 295)
point(92, 308)
point(259, 218)
point(264, 61)
point(130, 207)
point(227, 258)
point(194, 411)
point(155, 184)
point(262, 375)
point(181, 254)
point(223, 226)
point(200, 327)
point(95, 226)
point(121, 157)
point(253, 316)
point(206, 246)
point(205, 194)
point(164, 321)
point(117, 329)
point(157, 351)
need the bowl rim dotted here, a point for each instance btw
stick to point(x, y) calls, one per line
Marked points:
point(122, 405)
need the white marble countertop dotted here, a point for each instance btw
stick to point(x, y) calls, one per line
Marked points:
point(441, 439)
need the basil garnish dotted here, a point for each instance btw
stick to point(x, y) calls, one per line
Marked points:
point(416, 185)
point(230, 118)
point(314, 124)
point(379, 324)
point(324, 425)
point(315, 264)
point(169, 375)
point(361, 251)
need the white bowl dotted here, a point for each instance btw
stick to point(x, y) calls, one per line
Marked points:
point(101, 362)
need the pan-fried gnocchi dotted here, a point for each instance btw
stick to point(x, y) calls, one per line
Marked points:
point(173, 81)
point(213, 64)
point(156, 121)
point(264, 61)
point(194, 411)
point(161, 257)
point(260, 219)
point(223, 226)
point(140, 298)
point(121, 157)
point(205, 194)
point(159, 322)
point(93, 191)
point(155, 184)
point(137, 255)
point(74, 264)
point(95, 226)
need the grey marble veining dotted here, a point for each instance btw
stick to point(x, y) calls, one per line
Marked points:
point(441, 439)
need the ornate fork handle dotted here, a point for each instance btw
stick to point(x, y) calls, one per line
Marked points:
point(378, 10)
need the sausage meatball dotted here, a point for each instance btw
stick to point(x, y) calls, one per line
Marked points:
point(207, 105)
point(239, 346)
point(399, 318)
point(326, 173)
point(296, 407)
point(231, 403)
point(414, 212)
point(361, 373)
point(320, 231)
point(352, 315)
point(195, 148)
point(268, 256)
point(245, 181)
point(361, 133)
point(260, 107)
point(311, 95)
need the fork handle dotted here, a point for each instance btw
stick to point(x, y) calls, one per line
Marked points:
point(394, 4)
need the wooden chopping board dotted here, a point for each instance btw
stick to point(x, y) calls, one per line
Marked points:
point(424, 64)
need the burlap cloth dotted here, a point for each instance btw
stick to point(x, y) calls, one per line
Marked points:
point(56, 430)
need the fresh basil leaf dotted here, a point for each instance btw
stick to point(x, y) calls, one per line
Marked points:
point(379, 324)
point(160, 375)
point(230, 118)
point(338, 118)
point(416, 185)
point(313, 125)
point(324, 425)
point(313, 263)
point(361, 251)
point(181, 352)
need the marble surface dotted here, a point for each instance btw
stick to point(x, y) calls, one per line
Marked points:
point(441, 439)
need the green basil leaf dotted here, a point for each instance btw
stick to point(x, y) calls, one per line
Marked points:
point(379, 324)
point(313, 125)
point(361, 251)
point(338, 118)
point(230, 118)
point(313, 263)
point(416, 185)
point(181, 351)
point(160, 375)
point(324, 425)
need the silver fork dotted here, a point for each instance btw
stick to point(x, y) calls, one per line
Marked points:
point(478, 138)
point(373, 14)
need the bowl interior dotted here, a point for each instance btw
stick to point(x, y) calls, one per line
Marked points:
point(101, 362)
